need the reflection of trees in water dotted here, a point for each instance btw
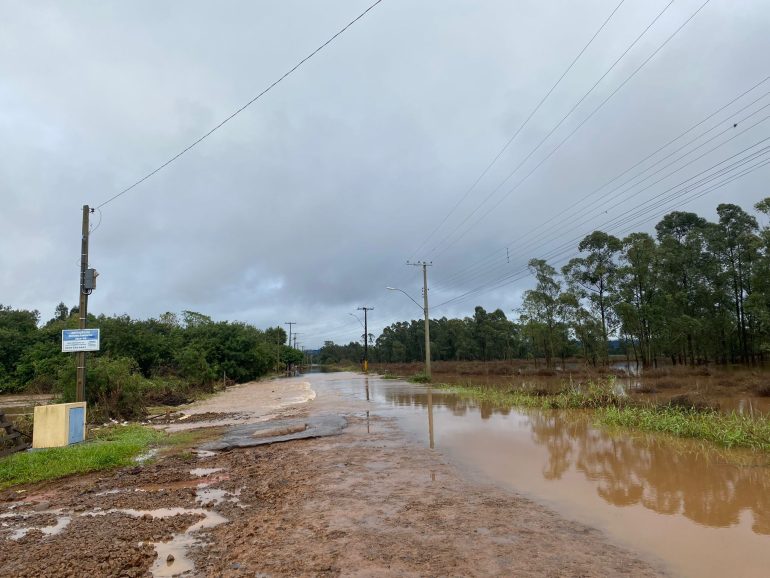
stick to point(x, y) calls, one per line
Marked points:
point(458, 406)
point(666, 477)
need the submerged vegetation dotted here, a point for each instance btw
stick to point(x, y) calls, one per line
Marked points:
point(728, 430)
point(592, 395)
point(680, 417)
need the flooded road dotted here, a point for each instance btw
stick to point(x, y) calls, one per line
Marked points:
point(701, 511)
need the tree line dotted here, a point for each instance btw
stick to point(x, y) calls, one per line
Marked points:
point(695, 292)
point(150, 359)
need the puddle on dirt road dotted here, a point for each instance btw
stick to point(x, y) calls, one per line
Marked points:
point(202, 472)
point(702, 511)
point(61, 521)
point(172, 559)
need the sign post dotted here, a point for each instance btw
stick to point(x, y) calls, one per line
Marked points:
point(77, 340)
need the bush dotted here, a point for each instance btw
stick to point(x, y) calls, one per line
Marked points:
point(167, 391)
point(114, 388)
point(421, 377)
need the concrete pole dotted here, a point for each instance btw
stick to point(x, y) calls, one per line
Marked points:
point(427, 318)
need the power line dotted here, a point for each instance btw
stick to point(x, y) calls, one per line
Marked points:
point(554, 128)
point(513, 276)
point(531, 241)
point(484, 263)
point(521, 127)
point(242, 108)
point(578, 127)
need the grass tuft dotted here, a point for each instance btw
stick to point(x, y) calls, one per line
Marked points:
point(420, 378)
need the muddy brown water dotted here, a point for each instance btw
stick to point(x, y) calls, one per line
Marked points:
point(700, 510)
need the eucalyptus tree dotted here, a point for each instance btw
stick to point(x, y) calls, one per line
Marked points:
point(740, 251)
point(540, 312)
point(594, 278)
point(758, 302)
point(639, 305)
point(680, 239)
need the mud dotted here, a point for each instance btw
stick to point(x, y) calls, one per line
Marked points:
point(246, 403)
point(360, 503)
point(209, 416)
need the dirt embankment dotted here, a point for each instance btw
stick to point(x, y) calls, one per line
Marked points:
point(367, 502)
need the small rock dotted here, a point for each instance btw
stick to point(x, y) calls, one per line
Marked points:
point(170, 558)
point(41, 506)
point(235, 565)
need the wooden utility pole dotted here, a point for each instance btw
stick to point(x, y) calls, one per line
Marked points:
point(80, 391)
point(366, 337)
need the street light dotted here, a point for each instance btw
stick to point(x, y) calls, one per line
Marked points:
point(357, 319)
point(365, 363)
point(427, 325)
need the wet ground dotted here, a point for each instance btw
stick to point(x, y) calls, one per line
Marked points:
point(419, 483)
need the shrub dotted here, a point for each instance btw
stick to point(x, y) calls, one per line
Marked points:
point(114, 388)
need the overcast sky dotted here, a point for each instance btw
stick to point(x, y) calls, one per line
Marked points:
point(308, 204)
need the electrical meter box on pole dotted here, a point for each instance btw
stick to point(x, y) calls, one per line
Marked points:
point(89, 279)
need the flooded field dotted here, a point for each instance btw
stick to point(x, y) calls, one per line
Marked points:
point(728, 390)
point(702, 511)
point(22, 404)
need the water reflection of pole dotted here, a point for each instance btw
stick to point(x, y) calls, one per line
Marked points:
point(366, 385)
point(430, 418)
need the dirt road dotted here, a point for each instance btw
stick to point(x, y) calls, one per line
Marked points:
point(368, 502)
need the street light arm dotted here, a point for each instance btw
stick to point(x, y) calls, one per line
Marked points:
point(357, 318)
point(407, 294)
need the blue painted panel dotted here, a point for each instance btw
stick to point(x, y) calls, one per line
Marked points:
point(76, 433)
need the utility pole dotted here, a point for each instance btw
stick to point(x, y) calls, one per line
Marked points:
point(80, 390)
point(278, 351)
point(366, 337)
point(290, 323)
point(425, 265)
point(295, 339)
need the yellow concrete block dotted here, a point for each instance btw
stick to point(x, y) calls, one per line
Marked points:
point(53, 426)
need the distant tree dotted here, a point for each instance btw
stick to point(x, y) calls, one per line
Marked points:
point(62, 312)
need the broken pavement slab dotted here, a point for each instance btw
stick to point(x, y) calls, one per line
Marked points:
point(271, 432)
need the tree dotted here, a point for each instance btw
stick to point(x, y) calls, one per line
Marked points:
point(540, 311)
point(638, 305)
point(62, 312)
point(593, 277)
point(740, 251)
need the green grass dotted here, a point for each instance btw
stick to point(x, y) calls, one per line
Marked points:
point(421, 377)
point(591, 396)
point(111, 448)
point(728, 430)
